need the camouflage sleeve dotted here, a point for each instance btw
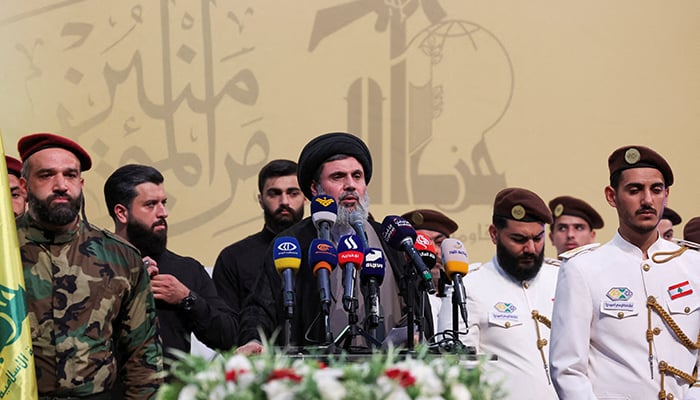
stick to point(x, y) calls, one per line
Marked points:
point(137, 338)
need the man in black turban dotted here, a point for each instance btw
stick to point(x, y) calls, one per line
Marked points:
point(339, 165)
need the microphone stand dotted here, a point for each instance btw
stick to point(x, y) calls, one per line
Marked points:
point(325, 314)
point(352, 329)
point(372, 320)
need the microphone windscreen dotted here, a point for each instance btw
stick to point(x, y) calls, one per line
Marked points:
point(323, 208)
point(395, 229)
point(286, 253)
point(426, 248)
point(356, 218)
point(322, 254)
point(454, 257)
point(350, 250)
point(374, 266)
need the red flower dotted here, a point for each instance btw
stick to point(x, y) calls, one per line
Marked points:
point(232, 375)
point(404, 378)
point(285, 373)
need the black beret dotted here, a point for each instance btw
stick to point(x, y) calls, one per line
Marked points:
point(691, 231)
point(672, 216)
point(639, 157)
point(14, 166)
point(30, 144)
point(321, 148)
point(521, 205)
point(567, 205)
point(431, 220)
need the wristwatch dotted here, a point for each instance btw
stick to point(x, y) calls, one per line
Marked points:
point(188, 302)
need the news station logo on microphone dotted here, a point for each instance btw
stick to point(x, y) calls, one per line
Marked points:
point(324, 201)
point(350, 250)
point(374, 258)
point(323, 247)
point(287, 252)
point(455, 247)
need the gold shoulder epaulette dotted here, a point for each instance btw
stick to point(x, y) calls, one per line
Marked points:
point(665, 256)
point(474, 267)
point(552, 261)
point(686, 243)
point(567, 255)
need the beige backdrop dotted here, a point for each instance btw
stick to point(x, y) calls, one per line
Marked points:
point(456, 99)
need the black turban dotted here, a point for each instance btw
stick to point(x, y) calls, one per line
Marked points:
point(325, 146)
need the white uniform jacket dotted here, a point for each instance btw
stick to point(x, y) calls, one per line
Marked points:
point(500, 323)
point(599, 348)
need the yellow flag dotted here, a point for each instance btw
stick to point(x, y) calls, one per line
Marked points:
point(17, 374)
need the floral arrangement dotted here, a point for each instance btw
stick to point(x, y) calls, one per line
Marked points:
point(275, 376)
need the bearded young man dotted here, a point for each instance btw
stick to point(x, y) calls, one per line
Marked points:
point(504, 293)
point(89, 303)
point(186, 299)
point(627, 316)
point(282, 202)
point(338, 164)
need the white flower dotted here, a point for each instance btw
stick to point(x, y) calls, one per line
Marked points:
point(278, 390)
point(188, 392)
point(219, 392)
point(328, 383)
point(429, 383)
point(238, 362)
point(459, 391)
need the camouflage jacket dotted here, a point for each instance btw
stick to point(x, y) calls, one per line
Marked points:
point(91, 311)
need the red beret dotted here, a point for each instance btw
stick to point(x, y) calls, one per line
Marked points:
point(691, 231)
point(521, 205)
point(30, 144)
point(567, 205)
point(672, 216)
point(14, 166)
point(431, 220)
point(639, 157)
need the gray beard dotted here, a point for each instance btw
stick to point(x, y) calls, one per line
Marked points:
point(343, 217)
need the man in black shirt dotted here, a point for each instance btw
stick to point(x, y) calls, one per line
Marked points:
point(282, 202)
point(186, 298)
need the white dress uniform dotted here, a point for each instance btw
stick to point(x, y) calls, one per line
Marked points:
point(599, 347)
point(501, 323)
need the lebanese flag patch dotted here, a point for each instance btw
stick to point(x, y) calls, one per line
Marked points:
point(679, 290)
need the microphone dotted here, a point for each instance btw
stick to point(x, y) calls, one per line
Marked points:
point(400, 235)
point(456, 263)
point(287, 256)
point(371, 277)
point(324, 211)
point(323, 258)
point(426, 249)
point(357, 221)
point(351, 253)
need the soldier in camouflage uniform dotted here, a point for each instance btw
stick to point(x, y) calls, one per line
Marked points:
point(90, 305)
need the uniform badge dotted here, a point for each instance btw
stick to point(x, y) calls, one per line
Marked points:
point(518, 212)
point(680, 290)
point(620, 297)
point(558, 210)
point(632, 156)
point(507, 308)
point(619, 294)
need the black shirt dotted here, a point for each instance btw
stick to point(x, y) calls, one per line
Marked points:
point(237, 267)
point(212, 321)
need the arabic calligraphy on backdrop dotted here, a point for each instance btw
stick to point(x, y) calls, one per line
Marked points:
point(175, 85)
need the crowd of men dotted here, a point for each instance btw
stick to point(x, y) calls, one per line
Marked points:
point(108, 309)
